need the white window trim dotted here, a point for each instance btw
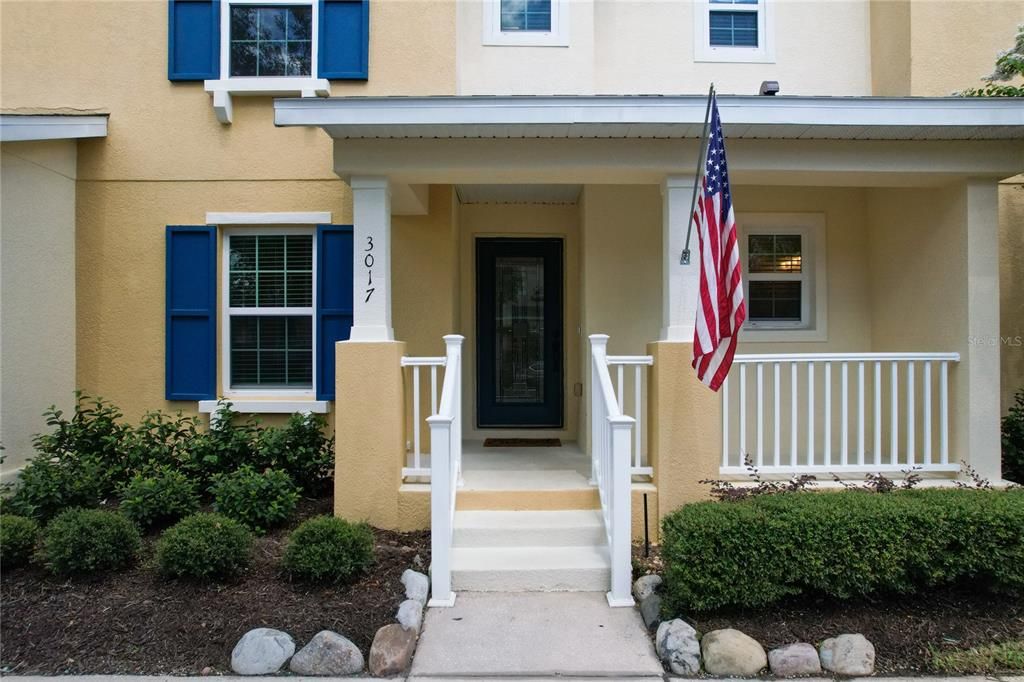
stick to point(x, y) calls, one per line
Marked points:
point(811, 228)
point(704, 51)
point(256, 394)
point(558, 36)
point(279, 86)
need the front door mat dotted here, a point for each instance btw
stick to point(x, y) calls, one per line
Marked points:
point(522, 443)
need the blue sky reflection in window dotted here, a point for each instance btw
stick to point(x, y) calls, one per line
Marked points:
point(271, 41)
point(525, 15)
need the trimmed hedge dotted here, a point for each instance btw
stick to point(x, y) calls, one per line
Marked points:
point(204, 547)
point(86, 541)
point(841, 544)
point(327, 548)
point(18, 538)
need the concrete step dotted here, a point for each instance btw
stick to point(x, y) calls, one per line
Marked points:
point(571, 528)
point(530, 569)
point(527, 500)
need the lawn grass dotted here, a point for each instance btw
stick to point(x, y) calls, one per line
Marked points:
point(991, 658)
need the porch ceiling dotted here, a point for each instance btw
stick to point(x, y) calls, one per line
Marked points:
point(666, 117)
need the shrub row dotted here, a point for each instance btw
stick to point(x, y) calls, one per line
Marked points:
point(201, 546)
point(160, 468)
point(841, 544)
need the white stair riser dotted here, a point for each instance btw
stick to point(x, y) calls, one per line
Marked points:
point(542, 580)
point(575, 536)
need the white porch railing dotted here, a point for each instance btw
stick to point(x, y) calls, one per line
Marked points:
point(445, 473)
point(785, 429)
point(610, 445)
point(416, 467)
point(641, 464)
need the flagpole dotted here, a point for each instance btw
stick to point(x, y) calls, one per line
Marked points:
point(684, 257)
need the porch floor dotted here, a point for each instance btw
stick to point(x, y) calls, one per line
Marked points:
point(524, 468)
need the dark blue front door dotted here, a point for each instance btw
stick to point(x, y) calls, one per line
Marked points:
point(519, 333)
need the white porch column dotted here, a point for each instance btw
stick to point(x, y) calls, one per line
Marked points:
point(371, 212)
point(983, 441)
point(679, 282)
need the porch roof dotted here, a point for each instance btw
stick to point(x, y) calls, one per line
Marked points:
point(655, 116)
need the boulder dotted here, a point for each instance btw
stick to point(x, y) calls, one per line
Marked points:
point(328, 653)
point(262, 651)
point(730, 652)
point(645, 586)
point(678, 647)
point(793, 660)
point(417, 586)
point(392, 650)
point(650, 611)
point(410, 615)
point(848, 655)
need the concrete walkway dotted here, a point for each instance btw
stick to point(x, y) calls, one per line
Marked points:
point(494, 634)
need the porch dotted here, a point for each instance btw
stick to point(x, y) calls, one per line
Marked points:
point(879, 365)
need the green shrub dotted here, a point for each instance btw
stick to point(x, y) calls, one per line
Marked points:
point(1013, 440)
point(841, 544)
point(204, 547)
point(18, 537)
point(160, 440)
point(259, 500)
point(221, 449)
point(88, 541)
point(48, 485)
point(328, 548)
point(159, 496)
point(301, 450)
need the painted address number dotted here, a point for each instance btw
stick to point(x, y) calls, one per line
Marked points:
point(368, 262)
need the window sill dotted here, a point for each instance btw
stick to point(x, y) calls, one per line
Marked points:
point(285, 86)
point(268, 406)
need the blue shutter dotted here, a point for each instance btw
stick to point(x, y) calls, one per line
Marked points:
point(193, 40)
point(333, 300)
point(191, 334)
point(344, 39)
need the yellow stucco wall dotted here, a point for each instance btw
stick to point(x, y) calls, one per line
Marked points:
point(1011, 288)
point(37, 290)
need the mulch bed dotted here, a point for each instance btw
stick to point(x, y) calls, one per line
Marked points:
point(137, 622)
point(905, 630)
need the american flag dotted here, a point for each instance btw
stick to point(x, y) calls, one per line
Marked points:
point(722, 310)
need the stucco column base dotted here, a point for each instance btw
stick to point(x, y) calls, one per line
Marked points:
point(685, 428)
point(369, 432)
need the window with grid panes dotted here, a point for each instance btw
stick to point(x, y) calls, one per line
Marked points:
point(776, 280)
point(270, 311)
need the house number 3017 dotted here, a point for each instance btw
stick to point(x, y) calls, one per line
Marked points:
point(368, 262)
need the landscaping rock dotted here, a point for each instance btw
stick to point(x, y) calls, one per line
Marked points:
point(793, 660)
point(848, 655)
point(417, 586)
point(645, 586)
point(328, 653)
point(262, 651)
point(410, 615)
point(392, 650)
point(650, 611)
point(730, 652)
point(678, 647)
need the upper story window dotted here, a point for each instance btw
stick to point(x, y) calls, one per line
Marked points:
point(271, 40)
point(526, 22)
point(733, 31)
point(783, 259)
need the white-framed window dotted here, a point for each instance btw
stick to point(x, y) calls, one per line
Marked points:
point(269, 39)
point(734, 31)
point(526, 22)
point(784, 278)
point(268, 299)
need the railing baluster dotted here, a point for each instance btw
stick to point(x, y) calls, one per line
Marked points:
point(619, 387)
point(877, 447)
point(433, 389)
point(860, 413)
point(725, 421)
point(416, 425)
point(911, 455)
point(926, 454)
point(944, 413)
point(844, 438)
point(827, 445)
point(810, 414)
point(638, 377)
point(760, 414)
point(743, 414)
point(794, 436)
point(776, 399)
point(894, 411)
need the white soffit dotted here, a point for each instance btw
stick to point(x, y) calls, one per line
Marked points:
point(519, 194)
point(23, 128)
point(628, 116)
